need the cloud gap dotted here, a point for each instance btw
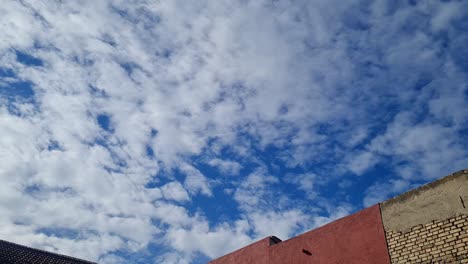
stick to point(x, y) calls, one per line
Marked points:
point(27, 59)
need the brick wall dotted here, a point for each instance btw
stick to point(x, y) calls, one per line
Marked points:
point(443, 241)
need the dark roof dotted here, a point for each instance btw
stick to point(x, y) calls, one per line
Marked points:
point(11, 253)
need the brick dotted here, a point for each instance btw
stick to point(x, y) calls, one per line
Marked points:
point(436, 242)
point(450, 239)
point(439, 243)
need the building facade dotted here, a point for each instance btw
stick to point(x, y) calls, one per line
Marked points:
point(425, 225)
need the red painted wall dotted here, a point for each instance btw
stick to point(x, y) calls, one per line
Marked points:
point(358, 238)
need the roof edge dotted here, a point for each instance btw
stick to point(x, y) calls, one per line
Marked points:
point(47, 252)
point(431, 185)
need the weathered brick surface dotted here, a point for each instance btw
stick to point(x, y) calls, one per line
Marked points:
point(443, 241)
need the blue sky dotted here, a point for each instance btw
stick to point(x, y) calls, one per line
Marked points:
point(177, 131)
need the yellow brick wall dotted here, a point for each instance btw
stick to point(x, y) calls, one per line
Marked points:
point(435, 242)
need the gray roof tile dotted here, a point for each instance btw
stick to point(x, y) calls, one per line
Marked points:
point(11, 253)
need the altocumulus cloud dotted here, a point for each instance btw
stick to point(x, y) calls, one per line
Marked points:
point(176, 131)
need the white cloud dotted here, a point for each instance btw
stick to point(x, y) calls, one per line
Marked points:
point(220, 240)
point(335, 213)
point(253, 192)
point(446, 12)
point(232, 84)
point(305, 182)
point(195, 182)
point(281, 224)
point(361, 162)
point(380, 192)
point(429, 150)
point(226, 166)
point(174, 191)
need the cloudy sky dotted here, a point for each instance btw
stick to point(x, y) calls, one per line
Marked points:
point(177, 131)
